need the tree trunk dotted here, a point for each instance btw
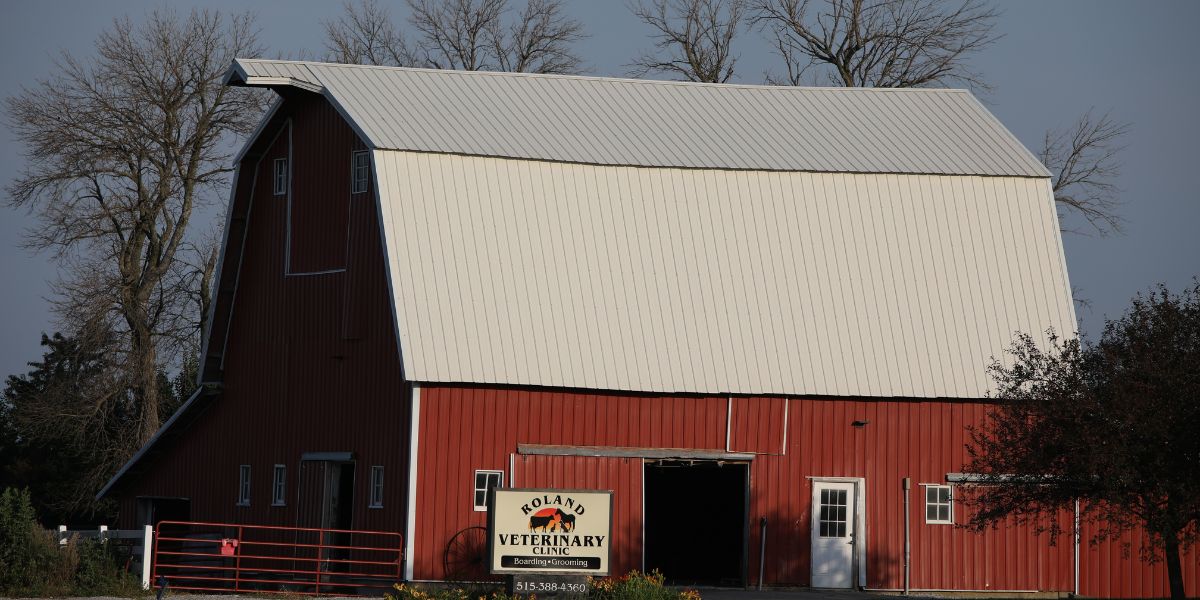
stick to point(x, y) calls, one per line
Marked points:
point(1174, 569)
point(146, 359)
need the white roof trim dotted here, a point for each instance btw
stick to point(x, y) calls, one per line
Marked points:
point(284, 81)
point(238, 75)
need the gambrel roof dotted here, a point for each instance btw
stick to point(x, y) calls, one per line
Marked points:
point(647, 123)
point(619, 234)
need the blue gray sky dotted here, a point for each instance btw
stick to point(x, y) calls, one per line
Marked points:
point(1135, 60)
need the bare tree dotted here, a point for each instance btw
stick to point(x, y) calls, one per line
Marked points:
point(365, 35)
point(1083, 162)
point(456, 34)
point(539, 41)
point(194, 278)
point(470, 35)
point(120, 151)
point(693, 38)
point(877, 43)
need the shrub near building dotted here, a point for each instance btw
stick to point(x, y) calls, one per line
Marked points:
point(33, 563)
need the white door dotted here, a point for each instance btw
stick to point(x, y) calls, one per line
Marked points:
point(833, 534)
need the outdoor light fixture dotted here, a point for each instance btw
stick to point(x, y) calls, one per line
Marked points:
point(859, 424)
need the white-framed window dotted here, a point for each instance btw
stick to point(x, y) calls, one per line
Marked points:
point(360, 163)
point(485, 482)
point(939, 504)
point(281, 176)
point(376, 487)
point(243, 498)
point(279, 486)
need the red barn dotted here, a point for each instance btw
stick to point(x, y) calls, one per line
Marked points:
point(731, 305)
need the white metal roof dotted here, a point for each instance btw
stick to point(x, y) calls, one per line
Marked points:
point(714, 281)
point(607, 121)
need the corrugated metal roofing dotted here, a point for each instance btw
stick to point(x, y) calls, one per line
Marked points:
point(606, 121)
point(715, 281)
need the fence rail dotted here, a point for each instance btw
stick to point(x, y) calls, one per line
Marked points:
point(138, 553)
point(103, 533)
point(227, 557)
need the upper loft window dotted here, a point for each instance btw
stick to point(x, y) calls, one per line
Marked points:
point(281, 176)
point(939, 504)
point(361, 163)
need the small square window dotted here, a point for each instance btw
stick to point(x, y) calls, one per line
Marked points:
point(485, 482)
point(243, 485)
point(279, 486)
point(281, 176)
point(376, 487)
point(939, 504)
point(361, 163)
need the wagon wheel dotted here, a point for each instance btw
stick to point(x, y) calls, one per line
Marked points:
point(466, 556)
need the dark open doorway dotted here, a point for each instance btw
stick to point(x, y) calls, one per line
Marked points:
point(695, 521)
point(326, 491)
point(326, 502)
point(153, 510)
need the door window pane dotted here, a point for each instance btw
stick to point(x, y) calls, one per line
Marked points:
point(832, 520)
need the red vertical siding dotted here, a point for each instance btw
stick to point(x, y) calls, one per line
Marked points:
point(1114, 569)
point(757, 425)
point(320, 195)
point(920, 440)
point(463, 429)
point(294, 380)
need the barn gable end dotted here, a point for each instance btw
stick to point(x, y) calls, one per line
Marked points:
point(301, 340)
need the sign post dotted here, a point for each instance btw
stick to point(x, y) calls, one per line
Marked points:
point(549, 541)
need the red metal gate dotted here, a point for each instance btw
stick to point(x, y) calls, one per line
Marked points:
point(225, 557)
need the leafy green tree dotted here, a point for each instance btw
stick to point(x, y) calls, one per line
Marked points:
point(1113, 424)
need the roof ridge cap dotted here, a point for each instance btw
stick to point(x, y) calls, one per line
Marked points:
point(605, 79)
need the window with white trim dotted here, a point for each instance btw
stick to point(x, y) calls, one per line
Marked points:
point(279, 486)
point(939, 504)
point(281, 176)
point(485, 482)
point(243, 498)
point(361, 169)
point(376, 487)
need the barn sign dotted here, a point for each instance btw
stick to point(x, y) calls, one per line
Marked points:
point(565, 532)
